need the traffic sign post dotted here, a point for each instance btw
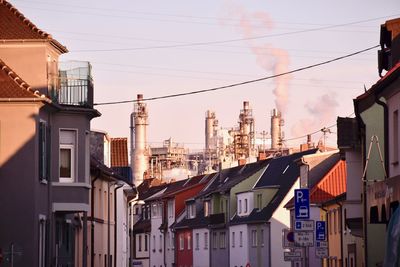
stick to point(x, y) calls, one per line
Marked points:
point(302, 203)
point(320, 230)
point(292, 255)
point(287, 238)
point(304, 239)
point(306, 225)
point(321, 252)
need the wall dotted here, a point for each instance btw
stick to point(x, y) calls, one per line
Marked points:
point(33, 68)
point(354, 173)
point(259, 256)
point(122, 241)
point(239, 256)
point(219, 256)
point(22, 196)
point(201, 256)
point(157, 247)
point(393, 104)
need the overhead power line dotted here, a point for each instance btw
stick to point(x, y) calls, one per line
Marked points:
point(230, 40)
point(239, 83)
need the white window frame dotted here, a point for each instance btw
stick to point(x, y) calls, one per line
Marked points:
point(222, 240)
point(73, 157)
point(240, 239)
point(189, 241)
point(254, 238)
point(181, 241)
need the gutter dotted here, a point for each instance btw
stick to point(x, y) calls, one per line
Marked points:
point(386, 132)
point(364, 186)
point(115, 223)
point(92, 222)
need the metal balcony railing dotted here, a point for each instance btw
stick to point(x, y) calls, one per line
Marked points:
point(73, 85)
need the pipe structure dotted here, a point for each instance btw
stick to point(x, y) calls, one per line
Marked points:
point(115, 223)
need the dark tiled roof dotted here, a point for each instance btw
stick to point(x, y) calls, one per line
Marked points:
point(227, 178)
point(15, 26)
point(145, 189)
point(119, 152)
point(198, 222)
point(12, 86)
point(282, 173)
point(356, 226)
point(142, 226)
point(96, 165)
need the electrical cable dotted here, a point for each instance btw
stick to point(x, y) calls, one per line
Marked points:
point(240, 83)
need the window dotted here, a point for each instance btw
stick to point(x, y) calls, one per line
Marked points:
point(215, 240)
point(221, 206)
point(241, 239)
point(155, 210)
point(191, 211)
point(161, 241)
point(334, 221)
point(262, 237)
point(205, 240)
point(189, 241)
point(43, 157)
point(154, 243)
point(181, 242)
point(233, 239)
point(145, 242)
point(170, 209)
point(42, 241)
point(140, 243)
point(222, 241)
point(173, 241)
point(67, 156)
point(245, 206)
point(254, 238)
point(197, 241)
point(259, 201)
point(240, 206)
point(206, 208)
point(395, 137)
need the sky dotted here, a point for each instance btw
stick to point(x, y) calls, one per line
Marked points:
point(135, 47)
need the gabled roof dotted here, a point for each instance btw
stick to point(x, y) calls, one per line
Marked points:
point(330, 184)
point(119, 152)
point(225, 179)
point(12, 86)
point(15, 26)
point(200, 221)
point(281, 174)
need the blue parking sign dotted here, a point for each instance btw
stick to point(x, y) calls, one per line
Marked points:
point(320, 231)
point(302, 204)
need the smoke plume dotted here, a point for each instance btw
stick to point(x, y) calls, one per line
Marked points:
point(272, 59)
point(320, 111)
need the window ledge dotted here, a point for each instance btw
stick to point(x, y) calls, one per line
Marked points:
point(43, 181)
point(88, 186)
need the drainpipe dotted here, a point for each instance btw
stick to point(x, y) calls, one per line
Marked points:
point(364, 183)
point(327, 229)
point(92, 223)
point(115, 223)
point(341, 230)
point(386, 132)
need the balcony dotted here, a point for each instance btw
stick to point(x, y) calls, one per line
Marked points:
point(216, 219)
point(73, 86)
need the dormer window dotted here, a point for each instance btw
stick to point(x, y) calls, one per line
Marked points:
point(206, 208)
point(191, 211)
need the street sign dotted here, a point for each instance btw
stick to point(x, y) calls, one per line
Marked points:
point(287, 238)
point(320, 233)
point(292, 255)
point(321, 252)
point(302, 203)
point(307, 225)
point(304, 239)
point(321, 244)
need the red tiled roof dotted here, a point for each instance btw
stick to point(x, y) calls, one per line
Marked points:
point(332, 185)
point(119, 152)
point(12, 86)
point(15, 26)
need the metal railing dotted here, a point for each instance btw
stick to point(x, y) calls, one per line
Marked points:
point(73, 85)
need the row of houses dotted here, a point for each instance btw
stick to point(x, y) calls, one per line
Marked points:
point(64, 189)
point(235, 217)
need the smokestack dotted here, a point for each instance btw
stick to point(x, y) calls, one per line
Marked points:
point(209, 128)
point(139, 153)
point(276, 123)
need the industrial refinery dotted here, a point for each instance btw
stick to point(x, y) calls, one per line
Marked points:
point(225, 147)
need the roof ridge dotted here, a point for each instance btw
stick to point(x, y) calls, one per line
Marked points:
point(19, 81)
point(25, 20)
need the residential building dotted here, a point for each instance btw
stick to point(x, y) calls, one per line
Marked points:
point(256, 228)
point(44, 126)
point(325, 176)
point(377, 116)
